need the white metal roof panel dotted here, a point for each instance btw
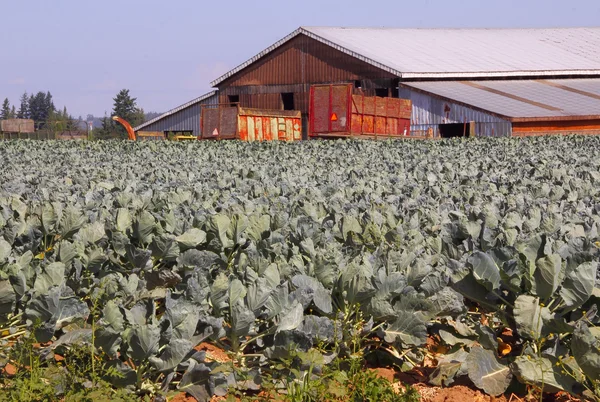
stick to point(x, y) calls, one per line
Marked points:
point(522, 99)
point(175, 110)
point(461, 53)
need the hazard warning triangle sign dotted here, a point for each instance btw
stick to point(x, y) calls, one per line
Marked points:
point(216, 132)
point(334, 117)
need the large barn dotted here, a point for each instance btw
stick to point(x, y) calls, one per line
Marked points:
point(486, 82)
point(502, 81)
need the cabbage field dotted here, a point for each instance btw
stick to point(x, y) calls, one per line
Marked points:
point(477, 259)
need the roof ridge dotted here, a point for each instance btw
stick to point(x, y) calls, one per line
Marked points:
point(308, 27)
point(334, 38)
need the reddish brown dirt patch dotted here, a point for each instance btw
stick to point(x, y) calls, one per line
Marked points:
point(9, 370)
point(386, 373)
point(418, 379)
point(213, 353)
point(435, 345)
point(415, 376)
point(458, 393)
point(182, 397)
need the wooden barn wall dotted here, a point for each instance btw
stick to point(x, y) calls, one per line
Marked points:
point(292, 68)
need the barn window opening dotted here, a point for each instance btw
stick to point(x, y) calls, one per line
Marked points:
point(233, 100)
point(357, 84)
point(287, 101)
point(382, 92)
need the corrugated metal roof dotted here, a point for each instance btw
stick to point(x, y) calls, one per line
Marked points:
point(523, 100)
point(175, 110)
point(460, 53)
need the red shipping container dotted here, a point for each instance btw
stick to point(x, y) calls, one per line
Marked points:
point(335, 112)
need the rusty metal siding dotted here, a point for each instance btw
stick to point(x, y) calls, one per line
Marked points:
point(222, 122)
point(261, 125)
point(186, 119)
point(429, 110)
point(591, 127)
point(335, 111)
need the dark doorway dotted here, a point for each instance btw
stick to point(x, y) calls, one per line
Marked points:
point(382, 92)
point(395, 88)
point(453, 130)
point(287, 101)
point(233, 100)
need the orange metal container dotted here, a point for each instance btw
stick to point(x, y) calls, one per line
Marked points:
point(246, 124)
point(336, 112)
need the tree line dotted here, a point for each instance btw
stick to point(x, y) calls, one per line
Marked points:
point(40, 108)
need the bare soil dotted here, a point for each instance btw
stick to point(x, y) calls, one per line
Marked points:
point(461, 391)
point(213, 353)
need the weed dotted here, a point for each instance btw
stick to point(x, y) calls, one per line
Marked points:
point(40, 378)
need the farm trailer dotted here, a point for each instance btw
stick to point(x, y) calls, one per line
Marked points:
point(336, 112)
point(232, 122)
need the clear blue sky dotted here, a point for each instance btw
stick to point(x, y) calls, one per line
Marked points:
point(167, 52)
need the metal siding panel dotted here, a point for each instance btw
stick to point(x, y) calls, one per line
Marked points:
point(429, 112)
point(274, 129)
point(243, 127)
point(289, 129)
point(336, 111)
point(590, 127)
point(186, 119)
point(259, 129)
point(522, 99)
point(210, 122)
point(251, 128)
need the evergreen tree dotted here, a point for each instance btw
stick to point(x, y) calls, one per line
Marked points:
point(108, 129)
point(23, 112)
point(126, 108)
point(40, 108)
point(48, 103)
point(5, 111)
point(13, 112)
